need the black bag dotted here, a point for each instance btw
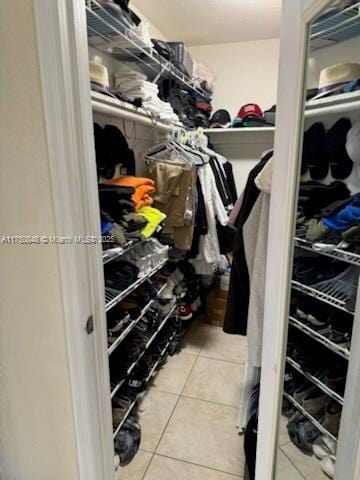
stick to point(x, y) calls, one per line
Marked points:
point(162, 48)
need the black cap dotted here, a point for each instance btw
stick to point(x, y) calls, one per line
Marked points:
point(313, 155)
point(340, 163)
point(220, 119)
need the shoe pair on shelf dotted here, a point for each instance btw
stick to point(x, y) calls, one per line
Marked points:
point(120, 274)
point(334, 325)
point(147, 255)
point(311, 270)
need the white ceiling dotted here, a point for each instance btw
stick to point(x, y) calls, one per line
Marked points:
point(205, 22)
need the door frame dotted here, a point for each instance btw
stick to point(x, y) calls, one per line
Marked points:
point(296, 15)
point(64, 70)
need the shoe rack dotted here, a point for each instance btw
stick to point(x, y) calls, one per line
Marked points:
point(337, 294)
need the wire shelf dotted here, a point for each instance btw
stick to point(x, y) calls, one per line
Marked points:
point(309, 417)
point(155, 366)
point(336, 26)
point(336, 253)
point(147, 346)
point(133, 324)
point(315, 381)
point(336, 292)
point(113, 297)
point(111, 35)
point(343, 352)
point(112, 253)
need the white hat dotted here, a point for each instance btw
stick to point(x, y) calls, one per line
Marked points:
point(99, 76)
point(353, 143)
point(334, 77)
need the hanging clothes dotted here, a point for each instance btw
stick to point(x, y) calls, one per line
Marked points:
point(201, 224)
point(230, 181)
point(175, 196)
point(255, 234)
point(221, 182)
point(235, 321)
point(209, 257)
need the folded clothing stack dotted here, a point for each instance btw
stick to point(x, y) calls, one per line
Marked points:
point(134, 85)
point(118, 217)
point(142, 188)
point(192, 109)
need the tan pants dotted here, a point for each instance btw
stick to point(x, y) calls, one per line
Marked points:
point(175, 196)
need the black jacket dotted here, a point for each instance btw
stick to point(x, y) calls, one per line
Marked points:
point(239, 289)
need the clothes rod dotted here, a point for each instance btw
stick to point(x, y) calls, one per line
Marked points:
point(106, 109)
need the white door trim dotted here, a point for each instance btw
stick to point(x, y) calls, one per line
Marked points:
point(63, 58)
point(286, 168)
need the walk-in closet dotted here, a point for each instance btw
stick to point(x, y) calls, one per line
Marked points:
point(180, 236)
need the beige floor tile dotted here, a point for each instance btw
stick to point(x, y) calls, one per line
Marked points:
point(199, 328)
point(308, 466)
point(192, 344)
point(173, 375)
point(136, 469)
point(163, 468)
point(216, 381)
point(285, 470)
point(222, 346)
point(204, 433)
point(155, 418)
point(283, 438)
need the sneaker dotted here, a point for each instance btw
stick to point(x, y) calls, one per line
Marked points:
point(304, 390)
point(318, 325)
point(328, 466)
point(185, 312)
point(323, 447)
point(116, 326)
point(168, 291)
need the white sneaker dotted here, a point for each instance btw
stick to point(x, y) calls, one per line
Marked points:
point(168, 292)
point(328, 466)
point(323, 447)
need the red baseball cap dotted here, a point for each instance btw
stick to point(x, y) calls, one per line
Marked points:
point(250, 110)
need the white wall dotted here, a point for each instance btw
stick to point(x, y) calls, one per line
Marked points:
point(37, 439)
point(246, 72)
point(154, 31)
point(348, 51)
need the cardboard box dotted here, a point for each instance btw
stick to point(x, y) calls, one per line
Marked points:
point(215, 308)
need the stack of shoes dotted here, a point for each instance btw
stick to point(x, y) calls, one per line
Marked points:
point(321, 407)
point(117, 321)
point(120, 274)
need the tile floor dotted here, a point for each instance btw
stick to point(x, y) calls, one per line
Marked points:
point(188, 430)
